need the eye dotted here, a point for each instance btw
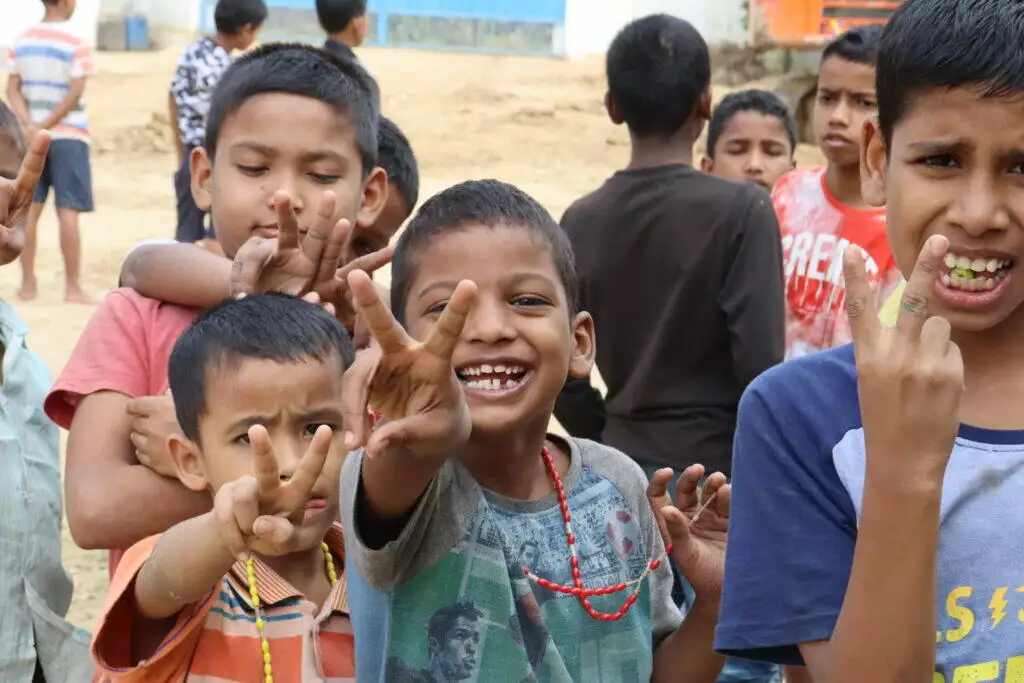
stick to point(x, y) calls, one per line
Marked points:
point(865, 103)
point(826, 98)
point(243, 439)
point(252, 170)
point(311, 428)
point(529, 300)
point(437, 309)
point(940, 161)
point(324, 178)
point(1017, 168)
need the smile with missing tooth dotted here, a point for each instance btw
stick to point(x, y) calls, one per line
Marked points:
point(487, 377)
point(974, 274)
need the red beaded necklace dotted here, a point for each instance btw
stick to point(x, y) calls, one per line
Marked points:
point(577, 589)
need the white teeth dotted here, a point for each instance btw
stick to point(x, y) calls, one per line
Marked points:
point(990, 283)
point(946, 279)
point(992, 265)
point(499, 368)
point(963, 262)
point(978, 265)
point(486, 369)
point(950, 260)
point(492, 384)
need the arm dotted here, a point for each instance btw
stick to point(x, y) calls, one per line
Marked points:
point(154, 271)
point(76, 88)
point(688, 654)
point(580, 409)
point(17, 101)
point(391, 484)
point(172, 115)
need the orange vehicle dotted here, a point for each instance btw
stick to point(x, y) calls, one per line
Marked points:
point(804, 24)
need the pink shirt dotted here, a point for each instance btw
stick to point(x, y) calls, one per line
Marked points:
point(124, 348)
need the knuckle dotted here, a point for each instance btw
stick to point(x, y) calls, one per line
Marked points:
point(914, 303)
point(855, 306)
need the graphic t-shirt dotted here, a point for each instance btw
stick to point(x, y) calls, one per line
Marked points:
point(797, 491)
point(448, 601)
point(199, 70)
point(816, 230)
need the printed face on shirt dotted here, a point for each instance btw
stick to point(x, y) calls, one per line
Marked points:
point(844, 101)
point(454, 658)
point(753, 148)
point(519, 343)
point(956, 168)
point(287, 142)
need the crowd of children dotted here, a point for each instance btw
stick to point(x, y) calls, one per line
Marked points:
point(302, 475)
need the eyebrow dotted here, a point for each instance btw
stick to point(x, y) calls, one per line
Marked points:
point(512, 279)
point(312, 156)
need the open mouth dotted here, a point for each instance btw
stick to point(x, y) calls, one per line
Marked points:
point(498, 377)
point(974, 274)
point(315, 507)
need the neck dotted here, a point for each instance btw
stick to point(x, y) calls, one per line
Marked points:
point(993, 374)
point(511, 465)
point(305, 570)
point(223, 41)
point(54, 14)
point(345, 37)
point(844, 184)
point(650, 152)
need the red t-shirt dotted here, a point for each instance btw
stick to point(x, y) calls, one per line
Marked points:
point(816, 229)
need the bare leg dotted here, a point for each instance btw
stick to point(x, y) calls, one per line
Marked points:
point(29, 288)
point(797, 674)
point(71, 246)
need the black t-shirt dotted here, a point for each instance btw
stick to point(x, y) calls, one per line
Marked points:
point(682, 272)
point(340, 50)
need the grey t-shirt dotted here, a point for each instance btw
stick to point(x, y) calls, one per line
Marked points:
point(448, 601)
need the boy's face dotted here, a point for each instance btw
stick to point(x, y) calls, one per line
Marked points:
point(519, 344)
point(845, 100)
point(287, 142)
point(754, 148)
point(956, 168)
point(245, 38)
point(374, 237)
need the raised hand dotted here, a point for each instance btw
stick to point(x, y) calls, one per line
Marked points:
point(16, 198)
point(910, 379)
point(260, 513)
point(696, 525)
point(411, 384)
point(336, 290)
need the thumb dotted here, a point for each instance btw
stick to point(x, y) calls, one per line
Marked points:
point(277, 532)
point(677, 527)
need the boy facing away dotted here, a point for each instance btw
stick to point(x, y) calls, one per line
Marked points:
point(877, 517)
point(254, 588)
point(471, 531)
point(291, 147)
point(345, 22)
point(48, 67)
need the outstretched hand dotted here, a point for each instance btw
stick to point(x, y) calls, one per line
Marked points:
point(411, 384)
point(16, 198)
point(337, 291)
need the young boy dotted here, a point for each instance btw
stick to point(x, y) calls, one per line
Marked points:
point(38, 645)
point(283, 116)
point(238, 23)
point(253, 589)
point(821, 210)
point(345, 23)
point(878, 514)
point(461, 474)
point(752, 138)
point(48, 66)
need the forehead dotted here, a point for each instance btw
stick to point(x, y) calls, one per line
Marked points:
point(286, 122)
point(841, 75)
point(10, 157)
point(754, 124)
point(260, 386)
point(963, 116)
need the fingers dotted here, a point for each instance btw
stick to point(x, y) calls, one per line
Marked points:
point(249, 262)
point(331, 255)
point(321, 233)
point(445, 335)
point(419, 428)
point(229, 498)
point(287, 221)
point(310, 467)
point(687, 496)
point(31, 169)
point(268, 475)
point(860, 306)
point(382, 325)
point(276, 532)
point(368, 263)
point(355, 398)
point(935, 334)
point(920, 287)
point(676, 526)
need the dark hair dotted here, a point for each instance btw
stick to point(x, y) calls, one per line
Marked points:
point(949, 44)
point(658, 67)
point(296, 69)
point(442, 620)
point(395, 156)
point(10, 128)
point(267, 326)
point(858, 45)
point(336, 15)
point(760, 101)
point(479, 202)
point(231, 16)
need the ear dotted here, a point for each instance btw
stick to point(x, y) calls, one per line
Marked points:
point(873, 163)
point(707, 164)
point(613, 109)
point(584, 346)
point(202, 179)
point(375, 195)
point(704, 105)
point(187, 461)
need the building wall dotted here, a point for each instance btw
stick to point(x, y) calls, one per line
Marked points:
point(19, 15)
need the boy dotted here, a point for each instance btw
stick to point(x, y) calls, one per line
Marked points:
point(238, 23)
point(345, 23)
point(752, 138)
point(283, 116)
point(35, 589)
point(260, 410)
point(876, 540)
point(48, 66)
point(461, 474)
point(821, 210)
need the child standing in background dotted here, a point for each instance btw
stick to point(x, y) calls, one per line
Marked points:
point(48, 66)
point(204, 62)
point(346, 23)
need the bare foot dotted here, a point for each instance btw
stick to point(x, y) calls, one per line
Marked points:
point(28, 290)
point(77, 295)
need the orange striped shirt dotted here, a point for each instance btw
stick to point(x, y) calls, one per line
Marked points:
point(216, 641)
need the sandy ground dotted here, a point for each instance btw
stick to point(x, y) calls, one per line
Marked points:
point(535, 122)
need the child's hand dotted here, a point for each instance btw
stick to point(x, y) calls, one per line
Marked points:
point(16, 198)
point(411, 384)
point(259, 513)
point(696, 525)
point(910, 379)
point(291, 264)
point(337, 291)
point(153, 420)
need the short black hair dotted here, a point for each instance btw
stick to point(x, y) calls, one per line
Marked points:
point(658, 67)
point(858, 45)
point(335, 15)
point(10, 128)
point(270, 326)
point(479, 202)
point(442, 621)
point(231, 16)
point(395, 156)
point(297, 69)
point(945, 44)
point(761, 101)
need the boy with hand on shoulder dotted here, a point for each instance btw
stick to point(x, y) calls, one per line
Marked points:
point(254, 589)
point(877, 510)
point(447, 493)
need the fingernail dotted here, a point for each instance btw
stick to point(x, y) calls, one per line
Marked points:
point(937, 244)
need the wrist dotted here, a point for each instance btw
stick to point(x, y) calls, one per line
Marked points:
point(705, 607)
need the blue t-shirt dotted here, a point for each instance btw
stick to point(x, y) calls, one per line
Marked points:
point(798, 483)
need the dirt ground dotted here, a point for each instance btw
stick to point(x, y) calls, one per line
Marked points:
point(538, 123)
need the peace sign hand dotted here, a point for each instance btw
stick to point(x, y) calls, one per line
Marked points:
point(261, 513)
point(16, 198)
point(411, 384)
point(910, 379)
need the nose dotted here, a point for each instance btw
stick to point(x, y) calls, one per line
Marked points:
point(288, 183)
point(839, 117)
point(981, 207)
point(288, 452)
point(489, 322)
point(755, 163)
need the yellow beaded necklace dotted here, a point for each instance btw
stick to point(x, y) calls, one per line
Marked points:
point(254, 594)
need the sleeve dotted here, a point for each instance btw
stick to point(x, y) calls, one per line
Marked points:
point(84, 63)
point(10, 63)
point(110, 356)
point(752, 295)
point(580, 409)
point(184, 80)
point(793, 526)
point(120, 626)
